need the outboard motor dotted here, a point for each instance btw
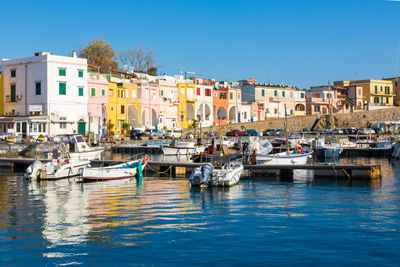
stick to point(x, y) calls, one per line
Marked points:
point(207, 172)
point(34, 170)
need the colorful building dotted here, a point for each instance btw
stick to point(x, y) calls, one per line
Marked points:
point(376, 93)
point(235, 99)
point(97, 103)
point(168, 102)
point(134, 104)
point(396, 90)
point(150, 92)
point(186, 109)
point(220, 105)
point(1, 94)
point(116, 107)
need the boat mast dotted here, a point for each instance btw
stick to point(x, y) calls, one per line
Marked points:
point(286, 129)
point(220, 134)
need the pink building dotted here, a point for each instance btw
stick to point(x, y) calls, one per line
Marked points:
point(168, 103)
point(97, 102)
point(150, 92)
point(258, 111)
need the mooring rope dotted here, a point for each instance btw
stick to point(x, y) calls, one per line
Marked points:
point(163, 172)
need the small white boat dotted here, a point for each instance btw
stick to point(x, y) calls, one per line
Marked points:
point(56, 169)
point(120, 171)
point(78, 149)
point(182, 148)
point(283, 158)
point(208, 175)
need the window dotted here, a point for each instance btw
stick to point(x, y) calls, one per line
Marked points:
point(198, 90)
point(262, 92)
point(80, 73)
point(387, 100)
point(283, 93)
point(215, 94)
point(230, 95)
point(13, 73)
point(18, 127)
point(381, 88)
point(80, 91)
point(103, 92)
point(93, 92)
point(63, 125)
point(208, 92)
point(122, 110)
point(161, 93)
point(38, 88)
point(62, 72)
point(376, 89)
point(302, 95)
point(13, 91)
point(376, 99)
point(111, 92)
point(387, 90)
point(275, 93)
point(275, 111)
point(62, 88)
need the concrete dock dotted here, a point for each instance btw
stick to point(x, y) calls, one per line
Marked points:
point(333, 170)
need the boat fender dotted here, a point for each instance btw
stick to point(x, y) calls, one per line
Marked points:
point(145, 159)
point(299, 149)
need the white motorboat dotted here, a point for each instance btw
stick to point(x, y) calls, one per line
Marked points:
point(55, 169)
point(120, 171)
point(78, 149)
point(284, 158)
point(182, 148)
point(227, 174)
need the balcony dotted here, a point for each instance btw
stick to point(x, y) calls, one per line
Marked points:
point(14, 99)
point(277, 99)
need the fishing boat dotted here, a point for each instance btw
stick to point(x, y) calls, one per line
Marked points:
point(78, 149)
point(56, 169)
point(210, 175)
point(223, 171)
point(125, 170)
point(182, 148)
point(296, 156)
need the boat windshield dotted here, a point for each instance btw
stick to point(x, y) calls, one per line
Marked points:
point(79, 139)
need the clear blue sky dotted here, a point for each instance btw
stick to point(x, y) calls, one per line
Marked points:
point(302, 43)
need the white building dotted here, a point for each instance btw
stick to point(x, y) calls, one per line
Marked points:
point(204, 102)
point(49, 85)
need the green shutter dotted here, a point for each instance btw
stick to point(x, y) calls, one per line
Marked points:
point(81, 91)
point(275, 93)
point(13, 89)
point(103, 92)
point(80, 73)
point(283, 93)
point(62, 72)
point(13, 73)
point(262, 93)
point(93, 91)
point(38, 88)
point(62, 88)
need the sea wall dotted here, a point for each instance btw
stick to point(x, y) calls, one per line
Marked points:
point(356, 119)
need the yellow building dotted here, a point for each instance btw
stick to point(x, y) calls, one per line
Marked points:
point(116, 108)
point(1, 95)
point(134, 105)
point(186, 107)
point(375, 92)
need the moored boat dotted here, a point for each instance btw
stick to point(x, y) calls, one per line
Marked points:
point(182, 148)
point(78, 149)
point(208, 175)
point(56, 169)
point(125, 170)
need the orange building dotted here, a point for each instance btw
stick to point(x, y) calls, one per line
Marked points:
point(220, 105)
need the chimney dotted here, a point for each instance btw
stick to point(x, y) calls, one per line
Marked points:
point(74, 53)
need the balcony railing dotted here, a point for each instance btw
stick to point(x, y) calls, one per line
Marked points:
point(10, 99)
point(277, 99)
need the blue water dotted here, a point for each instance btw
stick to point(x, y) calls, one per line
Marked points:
point(165, 222)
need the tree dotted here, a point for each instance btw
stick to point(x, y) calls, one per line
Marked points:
point(138, 60)
point(100, 54)
point(125, 127)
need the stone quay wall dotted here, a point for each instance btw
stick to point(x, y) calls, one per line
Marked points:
point(355, 119)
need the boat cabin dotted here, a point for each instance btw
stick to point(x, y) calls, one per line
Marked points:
point(75, 143)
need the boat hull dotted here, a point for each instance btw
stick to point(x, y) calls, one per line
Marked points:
point(284, 159)
point(89, 155)
point(117, 172)
point(224, 177)
point(167, 150)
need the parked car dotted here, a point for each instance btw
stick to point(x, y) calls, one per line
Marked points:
point(337, 131)
point(173, 134)
point(280, 132)
point(366, 131)
point(212, 134)
point(235, 133)
point(137, 134)
point(155, 133)
point(251, 132)
point(269, 132)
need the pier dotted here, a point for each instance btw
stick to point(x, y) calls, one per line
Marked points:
point(327, 170)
